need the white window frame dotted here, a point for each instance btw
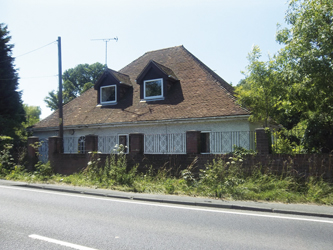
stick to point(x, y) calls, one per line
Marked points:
point(115, 94)
point(153, 97)
point(127, 141)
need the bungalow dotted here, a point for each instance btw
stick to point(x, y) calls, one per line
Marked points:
point(162, 96)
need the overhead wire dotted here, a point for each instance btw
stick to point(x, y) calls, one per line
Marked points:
point(36, 49)
point(27, 54)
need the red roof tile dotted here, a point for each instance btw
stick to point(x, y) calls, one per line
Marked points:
point(199, 93)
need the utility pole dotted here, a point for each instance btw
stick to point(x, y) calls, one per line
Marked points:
point(61, 119)
point(106, 40)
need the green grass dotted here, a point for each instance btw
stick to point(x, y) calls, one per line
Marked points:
point(219, 179)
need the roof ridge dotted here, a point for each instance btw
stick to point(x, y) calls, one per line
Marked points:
point(179, 46)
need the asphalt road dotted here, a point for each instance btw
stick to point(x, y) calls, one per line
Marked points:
point(40, 219)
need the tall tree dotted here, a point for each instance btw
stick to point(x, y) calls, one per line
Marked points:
point(306, 64)
point(75, 82)
point(11, 107)
point(258, 91)
point(308, 54)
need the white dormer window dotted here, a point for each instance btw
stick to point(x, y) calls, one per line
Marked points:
point(108, 94)
point(153, 89)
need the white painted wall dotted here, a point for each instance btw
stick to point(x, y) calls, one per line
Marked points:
point(160, 128)
point(168, 127)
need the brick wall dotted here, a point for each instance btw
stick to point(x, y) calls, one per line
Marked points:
point(300, 165)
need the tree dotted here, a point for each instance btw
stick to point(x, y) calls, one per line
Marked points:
point(75, 82)
point(32, 115)
point(308, 52)
point(295, 88)
point(52, 100)
point(11, 107)
point(306, 64)
point(258, 91)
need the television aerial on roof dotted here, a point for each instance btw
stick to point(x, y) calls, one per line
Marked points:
point(106, 40)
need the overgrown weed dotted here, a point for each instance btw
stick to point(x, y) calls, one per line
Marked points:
point(221, 178)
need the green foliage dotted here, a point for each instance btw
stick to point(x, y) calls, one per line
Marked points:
point(221, 178)
point(318, 135)
point(6, 158)
point(113, 172)
point(16, 173)
point(240, 152)
point(5, 140)
point(308, 54)
point(32, 115)
point(43, 170)
point(258, 91)
point(76, 81)
point(288, 141)
point(295, 85)
point(52, 100)
point(11, 109)
point(319, 191)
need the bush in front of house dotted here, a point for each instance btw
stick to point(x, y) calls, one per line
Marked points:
point(221, 178)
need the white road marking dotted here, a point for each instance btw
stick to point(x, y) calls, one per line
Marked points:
point(170, 206)
point(59, 242)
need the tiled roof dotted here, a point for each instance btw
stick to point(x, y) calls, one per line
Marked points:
point(166, 70)
point(122, 78)
point(199, 93)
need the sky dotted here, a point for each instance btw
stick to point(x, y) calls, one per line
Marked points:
point(220, 33)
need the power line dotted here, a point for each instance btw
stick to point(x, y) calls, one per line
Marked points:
point(36, 49)
point(29, 52)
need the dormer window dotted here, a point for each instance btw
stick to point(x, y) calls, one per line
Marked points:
point(153, 89)
point(155, 82)
point(112, 87)
point(108, 94)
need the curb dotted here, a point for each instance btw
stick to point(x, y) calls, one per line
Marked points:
point(188, 203)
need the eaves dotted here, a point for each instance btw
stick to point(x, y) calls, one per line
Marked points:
point(147, 123)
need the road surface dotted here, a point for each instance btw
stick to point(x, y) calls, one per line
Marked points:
point(39, 219)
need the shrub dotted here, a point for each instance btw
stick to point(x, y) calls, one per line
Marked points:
point(6, 158)
point(43, 170)
point(113, 172)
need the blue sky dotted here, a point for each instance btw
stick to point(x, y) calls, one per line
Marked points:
point(219, 32)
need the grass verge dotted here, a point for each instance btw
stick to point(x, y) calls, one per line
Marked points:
point(219, 179)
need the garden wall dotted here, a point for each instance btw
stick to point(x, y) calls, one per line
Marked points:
point(299, 165)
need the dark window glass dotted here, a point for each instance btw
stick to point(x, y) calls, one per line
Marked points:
point(204, 143)
point(153, 88)
point(108, 94)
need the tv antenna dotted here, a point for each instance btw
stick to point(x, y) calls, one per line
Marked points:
point(106, 40)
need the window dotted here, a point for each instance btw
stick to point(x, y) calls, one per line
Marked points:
point(81, 145)
point(108, 94)
point(204, 142)
point(123, 140)
point(153, 89)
